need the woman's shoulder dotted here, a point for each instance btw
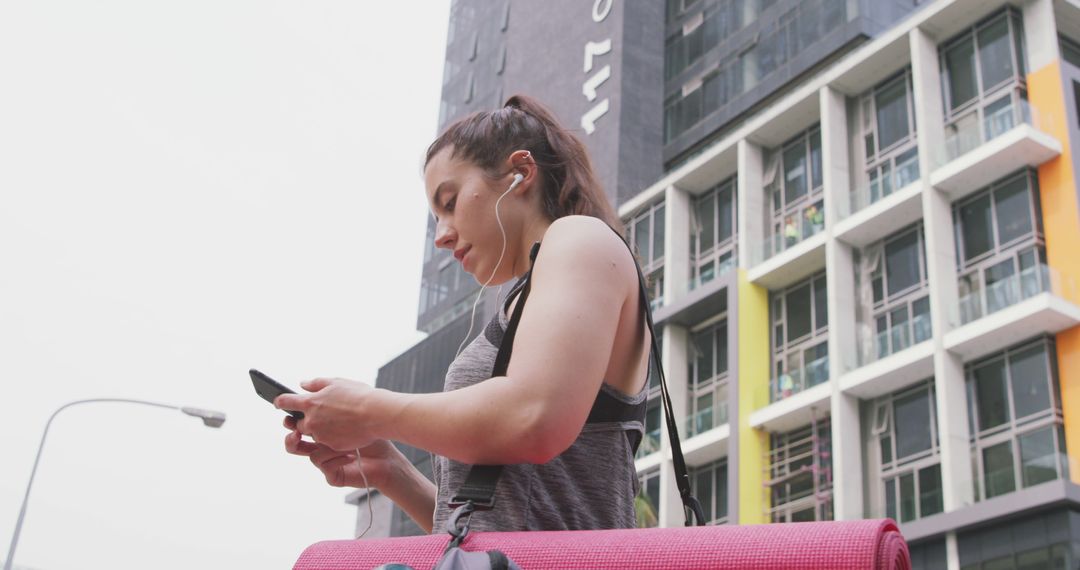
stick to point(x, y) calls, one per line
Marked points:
point(588, 245)
point(586, 233)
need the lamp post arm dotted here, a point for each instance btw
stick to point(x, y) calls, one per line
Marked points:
point(37, 459)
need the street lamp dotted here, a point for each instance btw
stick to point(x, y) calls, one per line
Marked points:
point(209, 418)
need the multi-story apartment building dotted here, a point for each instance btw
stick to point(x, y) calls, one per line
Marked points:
point(863, 237)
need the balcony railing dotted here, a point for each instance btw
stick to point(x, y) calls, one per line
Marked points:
point(713, 270)
point(905, 172)
point(982, 124)
point(1028, 282)
point(706, 419)
point(896, 338)
point(795, 381)
point(806, 222)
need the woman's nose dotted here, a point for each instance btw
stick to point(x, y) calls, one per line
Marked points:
point(444, 236)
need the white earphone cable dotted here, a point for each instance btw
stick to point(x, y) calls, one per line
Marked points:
point(472, 317)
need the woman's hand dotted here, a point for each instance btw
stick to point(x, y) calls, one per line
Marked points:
point(339, 414)
point(377, 460)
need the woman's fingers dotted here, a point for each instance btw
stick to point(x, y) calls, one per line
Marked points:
point(289, 422)
point(335, 462)
point(297, 446)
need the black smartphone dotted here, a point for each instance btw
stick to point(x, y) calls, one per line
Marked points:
point(267, 388)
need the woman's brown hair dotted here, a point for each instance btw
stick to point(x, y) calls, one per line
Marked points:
point(569, 186)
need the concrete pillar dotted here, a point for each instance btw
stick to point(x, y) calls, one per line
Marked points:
point(847, 465)
point(950, 394)
point(676, 244)
point(751, 200)
point(1040, 34)
point(929, 108)
point(674, 356)
point(834, 151)
point(952, 551)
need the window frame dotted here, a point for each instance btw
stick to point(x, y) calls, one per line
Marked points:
point(889, 473)
point(716, 384)
point(716, 468)
point(786, 463)
point(797, 347)
point(1012, 430)
point(723, 253)
point(652, 264)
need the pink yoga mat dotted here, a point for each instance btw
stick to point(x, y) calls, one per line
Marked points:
point(854, 545)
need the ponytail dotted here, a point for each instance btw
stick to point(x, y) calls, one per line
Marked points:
point(568, 183)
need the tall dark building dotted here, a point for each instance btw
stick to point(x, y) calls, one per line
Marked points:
point(860, 222)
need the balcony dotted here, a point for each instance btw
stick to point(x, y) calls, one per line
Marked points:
point(706, 419)
point(1028, 303)
point(793, 397)
point(890, 373)
point(795, 250)
point(990, 142)
point(791, 383)
point(880, 207)
point(896, 339)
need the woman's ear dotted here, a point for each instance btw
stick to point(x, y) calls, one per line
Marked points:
point(521, 163)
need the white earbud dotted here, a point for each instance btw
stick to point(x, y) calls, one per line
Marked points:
point(517, 180)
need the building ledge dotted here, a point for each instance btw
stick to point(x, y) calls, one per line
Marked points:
point(707, 446)
point(891, 373)
point(701, 303)
point(794, 411)
point(1025, 501)
point(1044, 313)
point(652, 460)
point(1020, 147)
point(881, 218)
point(799, 261)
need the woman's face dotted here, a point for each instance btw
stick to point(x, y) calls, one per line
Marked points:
point(462, 199)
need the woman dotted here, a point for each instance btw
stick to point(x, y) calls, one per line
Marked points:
point(497, 182)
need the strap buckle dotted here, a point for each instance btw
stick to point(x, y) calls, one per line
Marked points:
point(463, 515)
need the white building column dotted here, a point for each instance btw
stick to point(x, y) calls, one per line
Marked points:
point(950, 393)
point(675, 369)
point(834, 154)
point(847, 465)
point(676, 244)
point(929, 108)
point(1040, 34)
point(750, 201)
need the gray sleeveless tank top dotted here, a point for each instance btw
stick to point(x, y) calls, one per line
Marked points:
point(591, 485)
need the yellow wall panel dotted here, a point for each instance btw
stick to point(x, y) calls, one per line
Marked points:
point(1061, 224)
point(753, 349)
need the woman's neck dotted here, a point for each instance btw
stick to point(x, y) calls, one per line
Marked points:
point(533, 233)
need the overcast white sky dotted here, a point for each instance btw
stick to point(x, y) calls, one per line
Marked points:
point(187, 190)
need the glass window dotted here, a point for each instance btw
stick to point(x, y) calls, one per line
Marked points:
point(658, 233)
point(995, 55)
point(703, 491)
point(821, 312)
point(641, 238)
point(815, 159)
point(1030, 381)
point(794, 172)
point(798, 312)
point(703, 344)
point(930, 498)
point(912, 413)
point(726, 218)
point(1012, 206)
point(907, 497)
point(960, 66)
point(1038, 457)
point(998, 467)
point(990, 394)
point(976, 225)
point(902, 262)
point(892, 112)
point(706, 221)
